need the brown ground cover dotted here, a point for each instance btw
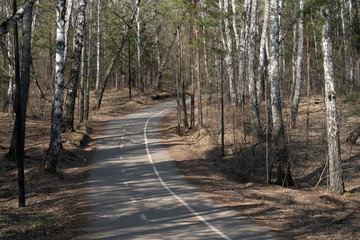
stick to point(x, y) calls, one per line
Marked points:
point(55, 207)
point(306, 211)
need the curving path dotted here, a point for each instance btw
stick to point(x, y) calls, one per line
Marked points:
point(136, 192)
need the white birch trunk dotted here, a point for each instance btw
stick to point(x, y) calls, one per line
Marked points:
point(262, 55)
point(284, 175)
point(87, 84)
point(68, 16)
point(203, 5)
point(138, 45)
point(229, 56)
point(242, 51)
point(254, 108)
point(333, 133)
point(299, 66)
point(79, 38)
point(98, 45)
point(57, 104)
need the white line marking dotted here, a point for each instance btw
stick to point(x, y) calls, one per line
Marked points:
point(122, 137)
point(169, 190)
point(127, 124)
point(143, 217)
point(121, 158)
point(133, 199)
point(121, 145)
point(126, 184)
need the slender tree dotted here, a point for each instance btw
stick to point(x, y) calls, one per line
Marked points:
point(69, 105)
point(299, 66)
point(53, 152)
point(333, 133)
point(254, 106)
point(98, 46)
point(284, 177)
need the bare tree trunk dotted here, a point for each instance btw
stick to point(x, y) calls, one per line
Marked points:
point(68, 16)
point(57, 105)
point(229, 57)
point(254, 107)
point(242, 52)
point(138, 45)
point(87, 84)
point(182, 79)
point(69, 105)
point(82, 81)
point(299, 67)
point(10, 94)
point(262, 55)
point(284, 177)
point(191, 68)
point(98, 46)
point(197, 68)
point(333, 133)
point(25, 75)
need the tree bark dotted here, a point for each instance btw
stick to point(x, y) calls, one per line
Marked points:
point(333, 133)
point(182, 79)
point(138, 46)
point(284, 177)
point(98, 46)
point(299, 67)
point(197, 68)
point(229, 56)
point(87, 84)
point(68, 16)
point(262, 55)
point(254, 106)
point(69, 105)
point(25, 75)
point(53, 152)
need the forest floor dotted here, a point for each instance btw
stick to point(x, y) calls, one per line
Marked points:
point(55, 203)
point(55, 207)
point(238, 180)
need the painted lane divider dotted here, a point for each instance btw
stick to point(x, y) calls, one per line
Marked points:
point(197, 215)
point(143, 217)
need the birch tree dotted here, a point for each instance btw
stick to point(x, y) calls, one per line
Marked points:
point(98, 45)
point(284, 177)
point(53, 151)
point(262, 54)
point(138, 46)
point(68, 16)
point(254, 107)
point(299, 66)
point(333, 133)
point(229, 55)
point(79, 38)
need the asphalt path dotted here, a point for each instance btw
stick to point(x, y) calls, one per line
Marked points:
point(136, 192)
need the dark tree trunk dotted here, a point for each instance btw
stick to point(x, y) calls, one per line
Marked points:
point(25, 74)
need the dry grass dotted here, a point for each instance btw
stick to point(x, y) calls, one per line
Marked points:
point(302, 212)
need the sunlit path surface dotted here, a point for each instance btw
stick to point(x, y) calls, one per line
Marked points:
point(136, 192)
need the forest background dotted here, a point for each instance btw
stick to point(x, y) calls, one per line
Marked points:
point(274, 85)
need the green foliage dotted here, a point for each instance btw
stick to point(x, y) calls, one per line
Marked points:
point(348, 194)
